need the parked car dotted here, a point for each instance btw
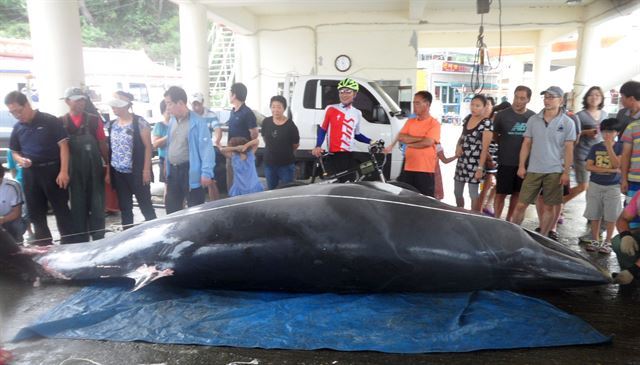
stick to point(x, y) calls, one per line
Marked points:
point(7, 121)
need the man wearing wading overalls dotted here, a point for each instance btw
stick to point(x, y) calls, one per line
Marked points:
point(88, 150)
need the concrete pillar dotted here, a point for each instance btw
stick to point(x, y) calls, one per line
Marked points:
point(248, 69)
point(541, 69)
point(586, 57)
point(57, 50)
point(194, 49)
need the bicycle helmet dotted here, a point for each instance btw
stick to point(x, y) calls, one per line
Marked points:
point(348, 84)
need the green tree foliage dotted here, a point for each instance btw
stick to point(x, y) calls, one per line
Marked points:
point(152, 25)
point(13, 19)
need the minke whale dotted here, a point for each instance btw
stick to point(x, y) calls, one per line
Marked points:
point(363, 237)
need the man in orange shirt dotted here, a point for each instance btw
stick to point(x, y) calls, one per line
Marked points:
point(420, 135)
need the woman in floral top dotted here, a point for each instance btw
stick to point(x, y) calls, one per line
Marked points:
point(130, 146)
point(473, 148)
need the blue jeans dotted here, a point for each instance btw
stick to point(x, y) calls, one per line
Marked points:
point(279, 175)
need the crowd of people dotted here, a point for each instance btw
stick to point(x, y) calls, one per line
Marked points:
point(70, 163)
point(531, 155)
point(503, 150)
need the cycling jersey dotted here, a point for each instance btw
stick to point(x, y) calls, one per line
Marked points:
point(343, 124)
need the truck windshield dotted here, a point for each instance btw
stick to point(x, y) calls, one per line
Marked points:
point(393, 107)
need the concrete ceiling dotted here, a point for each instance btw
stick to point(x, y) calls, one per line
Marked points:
point(289, 7)
point(251, 16)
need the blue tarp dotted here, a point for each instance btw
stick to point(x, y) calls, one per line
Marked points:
point(397, 323)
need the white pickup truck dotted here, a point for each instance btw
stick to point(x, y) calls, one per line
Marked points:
point(383, 119)
point(310, 95)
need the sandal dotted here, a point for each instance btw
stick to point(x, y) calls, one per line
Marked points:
point(554, 235)
point(488, 212)
point(592, 246)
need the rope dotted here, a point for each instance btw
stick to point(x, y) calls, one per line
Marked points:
point(118, 229)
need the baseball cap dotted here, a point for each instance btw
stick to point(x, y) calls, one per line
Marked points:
point(74, 93)
point(554, 90)
point(197, 97)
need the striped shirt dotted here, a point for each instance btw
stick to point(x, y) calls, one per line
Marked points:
point(631, 136)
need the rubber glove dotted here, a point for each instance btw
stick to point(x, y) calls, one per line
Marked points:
point(628, 245)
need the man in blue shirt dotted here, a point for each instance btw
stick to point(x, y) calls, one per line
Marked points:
point(197, 105)
point(190, 157)
point(242, 121)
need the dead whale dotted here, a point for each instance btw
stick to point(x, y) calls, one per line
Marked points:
point(365, 237)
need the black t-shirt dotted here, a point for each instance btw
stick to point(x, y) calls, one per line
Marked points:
point(241, 121)
point(510, 127)
point(38, 140)
point(279, 141)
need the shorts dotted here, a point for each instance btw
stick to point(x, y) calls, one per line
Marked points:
point(533, 182)
point(580, 170)
point(508, 180)
point(424, 182)
point(603, 201)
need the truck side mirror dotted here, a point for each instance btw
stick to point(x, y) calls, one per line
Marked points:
point(379, 115)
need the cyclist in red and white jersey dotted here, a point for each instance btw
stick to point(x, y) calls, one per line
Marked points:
point(342, 122)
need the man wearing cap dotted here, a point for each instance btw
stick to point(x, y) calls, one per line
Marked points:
point(190, 156)
point(548, 144)
point(88, 149)
point(197, 105)
point(40, 145)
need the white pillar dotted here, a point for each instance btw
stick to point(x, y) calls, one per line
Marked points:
point(248, 69)
point(586, 57)
point(541, 69)
point(57, 50)
point(194, 54)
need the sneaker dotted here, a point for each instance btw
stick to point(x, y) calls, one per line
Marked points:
point(605, 248)
point(592, 246)
point(554, 235)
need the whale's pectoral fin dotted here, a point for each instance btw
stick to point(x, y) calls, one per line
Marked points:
point(146, 274)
